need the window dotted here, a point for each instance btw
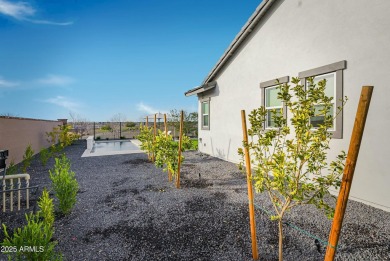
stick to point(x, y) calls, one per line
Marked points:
point(270, 101)
point(205, 114)
point(333, 73)
point(330, 91)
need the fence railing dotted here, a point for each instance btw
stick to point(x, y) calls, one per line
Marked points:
point(12, 187)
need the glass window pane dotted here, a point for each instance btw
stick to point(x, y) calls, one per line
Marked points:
point(205, 120)
point(270, 121)
point(330, 83)
point(271, 97)
point(319, 117)
point(205, 108)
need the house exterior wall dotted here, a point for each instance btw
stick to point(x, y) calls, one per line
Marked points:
point(299, 35)
point(17, 133)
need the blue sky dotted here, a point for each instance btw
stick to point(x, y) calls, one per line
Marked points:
point(98, 58)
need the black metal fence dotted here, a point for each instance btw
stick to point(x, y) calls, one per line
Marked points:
point(126, 130)
point(115, 130)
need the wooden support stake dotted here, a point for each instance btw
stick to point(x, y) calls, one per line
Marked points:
point(350, 163)
point(252, 220)
point(147, 126)
point(166, 135)
point(165, 125)
point(179, 159)
point(154, 135)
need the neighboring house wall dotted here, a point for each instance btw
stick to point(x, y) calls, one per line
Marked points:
point(17, 133)
point(299, 35)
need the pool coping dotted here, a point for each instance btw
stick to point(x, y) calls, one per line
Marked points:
point(88, 153)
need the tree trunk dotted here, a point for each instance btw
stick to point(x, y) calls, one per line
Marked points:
point(280, 240)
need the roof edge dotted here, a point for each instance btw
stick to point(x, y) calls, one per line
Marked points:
point(200, 89)
point(253, 20)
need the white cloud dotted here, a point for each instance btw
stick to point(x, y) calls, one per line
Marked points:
point(5, 83)
point(19, 10)
point(148, 109)
point(49, 22)
point(56, 80)
point(63, 102)
point(23, 11)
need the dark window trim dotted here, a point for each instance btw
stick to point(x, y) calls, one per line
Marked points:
point(273, 83)
point(201, 113)
point(336, 68)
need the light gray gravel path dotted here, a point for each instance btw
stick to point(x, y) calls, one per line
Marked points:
point(127, 210)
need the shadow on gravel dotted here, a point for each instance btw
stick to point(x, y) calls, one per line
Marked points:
point(196, 232)
point(136, 161)
point(195, 183)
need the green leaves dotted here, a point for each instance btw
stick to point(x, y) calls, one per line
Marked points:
point(44, 155)
point(166, 151)
point(290, 159)
point(65, 185)
point(146, 139)
point(46, 207)
point(27, 157)
point(36, 235)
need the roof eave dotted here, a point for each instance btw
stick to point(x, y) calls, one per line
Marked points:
point(200, 89)
point(255, 18)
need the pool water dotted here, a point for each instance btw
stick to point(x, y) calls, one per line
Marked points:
point(102, 146)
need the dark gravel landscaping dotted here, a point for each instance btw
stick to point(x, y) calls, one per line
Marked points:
point(127, 210)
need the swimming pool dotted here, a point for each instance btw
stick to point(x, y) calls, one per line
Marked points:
point(102, 146)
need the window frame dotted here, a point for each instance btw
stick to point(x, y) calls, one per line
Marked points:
point(273, 84)
point(204, 100)
point(336, 68)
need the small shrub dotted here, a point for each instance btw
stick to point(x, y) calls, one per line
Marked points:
point(106, 128)
point(167, 152)
point(194, 145)
point(44, 156)
point(146, 139)
point(12, 168)
point(34, 240)
point(130, 124)
point(62, 136)
point(55, 150)
point(46, 207)
point(98, 138)
point(65, 184)
point(27, 157)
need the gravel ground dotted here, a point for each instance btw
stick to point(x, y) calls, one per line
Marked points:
point(127, 210)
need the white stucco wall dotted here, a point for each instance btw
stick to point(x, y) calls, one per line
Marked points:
point(298, 35)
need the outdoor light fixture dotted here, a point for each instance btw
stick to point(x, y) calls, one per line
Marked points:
point(3, 157)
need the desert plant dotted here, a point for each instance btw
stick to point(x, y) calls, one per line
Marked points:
point(34, 240)
point(146, 139)
point(27, 157)
point(62, 136)
point(166, 151)
point(44, 155)
point(65, 185)
point(46, 207)
point(130, 124)
point(291, 160)
point(106, 128)
point(12, 168)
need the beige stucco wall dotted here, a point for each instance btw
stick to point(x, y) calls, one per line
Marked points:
point(17, 133)
point(299, 35)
